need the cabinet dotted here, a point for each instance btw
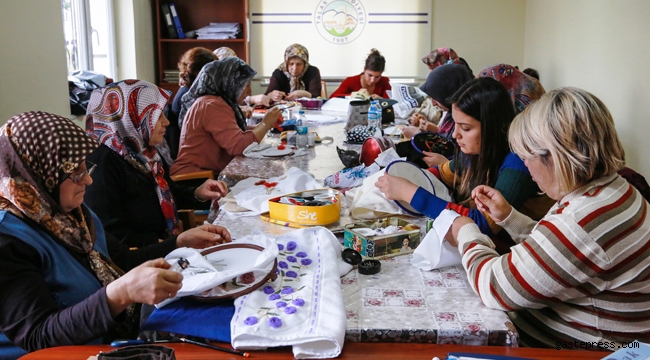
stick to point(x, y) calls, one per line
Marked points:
point(193, 15)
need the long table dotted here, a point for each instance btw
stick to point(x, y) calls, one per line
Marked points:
point(351, 351)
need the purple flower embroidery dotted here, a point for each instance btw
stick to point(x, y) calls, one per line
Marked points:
point(268, 289)
point(291, 259)
point(298, 302)
point(251, 320)
point(305, 262)
point(280, 247)
point(292, 274)
point(291, 245)
point(301, 254)
point(283, 265)
point(275, 322)
point(289, 310)
point(281, 304)
point(274, 297)
point(287, 290)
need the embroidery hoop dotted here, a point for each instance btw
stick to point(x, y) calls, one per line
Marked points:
point(413, 173)
point(236, 250)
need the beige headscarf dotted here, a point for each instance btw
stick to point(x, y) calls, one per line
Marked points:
point(295, 50)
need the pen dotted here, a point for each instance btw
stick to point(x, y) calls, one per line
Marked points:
point(214, 347)
point(118, 343)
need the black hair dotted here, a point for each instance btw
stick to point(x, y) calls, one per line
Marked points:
point(375, 61)
point(487, 101)
point(531, 72)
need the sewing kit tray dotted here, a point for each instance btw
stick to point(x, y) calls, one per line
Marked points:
point(307, 215)
point(382, 246)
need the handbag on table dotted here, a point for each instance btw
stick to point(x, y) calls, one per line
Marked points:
point(357, 113)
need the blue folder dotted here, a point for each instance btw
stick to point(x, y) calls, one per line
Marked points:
point(177, 21)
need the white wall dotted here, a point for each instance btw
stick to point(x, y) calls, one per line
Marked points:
point(603, 47)
point(134, 39)
point(482, 32)
point(33, 73)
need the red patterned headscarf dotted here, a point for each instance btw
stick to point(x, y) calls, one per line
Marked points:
point(123, 116)
point(441, 56)
point(523, 89)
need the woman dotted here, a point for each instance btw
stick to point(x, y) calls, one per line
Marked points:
point(62, 277)
point(295, 77)
point(580, 273)
point(132, 193)
point(523, 89)
point(224, 52)
point(482, 112)
point(189, 66)
point(370, 79)
point(261, 99)
point(214, 127)
point(443, 56)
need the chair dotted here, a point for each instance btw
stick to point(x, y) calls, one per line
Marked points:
point(323, 90)
point(193, 217)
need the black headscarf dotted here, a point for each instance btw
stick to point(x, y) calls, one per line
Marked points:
point(226, 78)
point(444, 81)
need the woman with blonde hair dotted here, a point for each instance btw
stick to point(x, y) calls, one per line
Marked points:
point(580, 274)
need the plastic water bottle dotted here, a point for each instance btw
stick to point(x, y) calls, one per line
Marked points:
point(378, 109)
point(302, 132)
point(373, 115)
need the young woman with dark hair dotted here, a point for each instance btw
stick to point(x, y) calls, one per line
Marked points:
point(370, 79)
point(482, 112)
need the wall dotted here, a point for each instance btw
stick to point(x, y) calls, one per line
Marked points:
point(484, 33)
point(603, 47)
point(33, 73)
point(134, 39)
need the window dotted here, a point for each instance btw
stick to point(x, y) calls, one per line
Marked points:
point(89, 35)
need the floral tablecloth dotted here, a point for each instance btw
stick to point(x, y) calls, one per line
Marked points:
point(404, 304)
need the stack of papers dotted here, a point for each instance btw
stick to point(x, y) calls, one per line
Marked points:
point(219, 31)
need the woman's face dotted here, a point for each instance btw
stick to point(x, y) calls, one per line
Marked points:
point(438, 104)
point(71, 194)
point(158, 133)
point(544, 176)
point(371, 77)
point(247, 92)
point(467, 132)
point(295, 65)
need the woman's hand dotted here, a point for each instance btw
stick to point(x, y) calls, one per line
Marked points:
point(149, 283)
point(247, 110)
point(396, 188)
point(210, 190)
point(452, 234)
point(433, 159)
point(375, 96)
point(416, 119)
point(203, 236)
point(272, 117)
point(277, 95)
point(491, 202)
point(428, 126)
point(298, 94)
point(410, 131)
point(260, 99)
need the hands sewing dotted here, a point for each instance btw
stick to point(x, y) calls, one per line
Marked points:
point(260, 99)
point(272, 117)
point(433, 159)
point(211, 190)
point(396, 188)
point(277, 95)
point(297, 94)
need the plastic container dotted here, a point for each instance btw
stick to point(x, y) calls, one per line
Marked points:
point(302, 132)
point(311, 104)
point(374, 114)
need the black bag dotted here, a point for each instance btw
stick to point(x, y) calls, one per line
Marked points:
point(80, 92)
point(387, 113)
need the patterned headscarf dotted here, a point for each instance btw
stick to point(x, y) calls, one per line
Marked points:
point(226, 78)
point(295, 50)
point(122, 116)
point(40, 151)
point(523, 89)
point(224, 52)
point(441, 56)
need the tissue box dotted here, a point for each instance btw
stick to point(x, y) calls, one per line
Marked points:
point(381, 246)
point(311, 104)
point(308, 215)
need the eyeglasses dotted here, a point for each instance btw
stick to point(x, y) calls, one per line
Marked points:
point(90, 167)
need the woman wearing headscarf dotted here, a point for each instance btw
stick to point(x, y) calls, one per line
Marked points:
point(443, 56)
point(295, 77)
point(132, 192)
point(214, 127)
point(260, 99)
point(523, 89)
point(224, 52)
point(63, 279)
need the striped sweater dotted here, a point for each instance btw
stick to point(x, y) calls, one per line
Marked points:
point(581, 273)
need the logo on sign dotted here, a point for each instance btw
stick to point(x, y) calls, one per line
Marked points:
point(340, 21)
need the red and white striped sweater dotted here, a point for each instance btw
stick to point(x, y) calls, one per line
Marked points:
point(581, 273)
